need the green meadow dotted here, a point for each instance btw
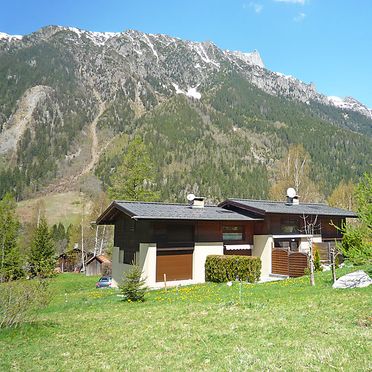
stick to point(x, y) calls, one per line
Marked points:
point(276, 326)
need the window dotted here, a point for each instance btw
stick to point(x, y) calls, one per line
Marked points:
point(289, 225)
point(292, 244)
point(174, 233)
point(232, 233)
point(130, 256)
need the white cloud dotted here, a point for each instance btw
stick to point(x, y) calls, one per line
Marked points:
point(299, 17)
point(256, 7)
point(301, 2)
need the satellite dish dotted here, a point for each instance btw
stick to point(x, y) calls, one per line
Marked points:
point(291, 192)
point(190, 197)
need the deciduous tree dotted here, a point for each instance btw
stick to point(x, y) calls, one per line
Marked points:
point(133, 178)
point(343, 196)
point(310, 226)
point(357, 238)
point(294, 171)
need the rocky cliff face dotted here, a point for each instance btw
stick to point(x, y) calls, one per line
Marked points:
point(58, 83)
point(110, 60)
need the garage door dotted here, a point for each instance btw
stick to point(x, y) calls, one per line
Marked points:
point(176, 263)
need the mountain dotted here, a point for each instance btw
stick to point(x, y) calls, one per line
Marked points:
point(215, 121)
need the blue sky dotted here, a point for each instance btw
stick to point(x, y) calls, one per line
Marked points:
point(327, 42)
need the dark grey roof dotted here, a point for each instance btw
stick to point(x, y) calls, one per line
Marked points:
point(164, 211)
point(267, 206)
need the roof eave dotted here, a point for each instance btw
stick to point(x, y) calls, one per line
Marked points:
point(235, 203)
point(194, 219)
point(103, 218)
point(316, 214)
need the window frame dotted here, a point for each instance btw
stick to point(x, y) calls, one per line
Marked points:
point(231, 227)
point(290, 221)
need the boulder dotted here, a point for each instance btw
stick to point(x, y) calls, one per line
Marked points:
point(357, 279)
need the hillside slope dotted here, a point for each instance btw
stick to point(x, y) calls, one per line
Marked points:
point(215, 121)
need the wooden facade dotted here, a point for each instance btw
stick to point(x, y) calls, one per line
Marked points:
point(129, 232)
point(174, 234)
point(178, 241)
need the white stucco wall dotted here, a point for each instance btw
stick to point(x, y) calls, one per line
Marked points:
point(118, 268)
point(262, 245)
point(146, 260)
point(201, 251)
point(304, 243)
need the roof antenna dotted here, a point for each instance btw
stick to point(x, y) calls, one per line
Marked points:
point(292, 197)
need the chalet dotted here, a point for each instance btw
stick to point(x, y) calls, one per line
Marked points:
point(172, 241)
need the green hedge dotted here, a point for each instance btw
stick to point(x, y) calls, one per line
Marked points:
point(219, 268)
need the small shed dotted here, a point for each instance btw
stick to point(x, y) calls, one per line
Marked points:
point(98, 265)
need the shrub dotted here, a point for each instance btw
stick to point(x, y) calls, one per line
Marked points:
point(219, 268)
point(317, 263)
point(355, 247)
point(21, 300)
point(133, 286)
point(357, 238)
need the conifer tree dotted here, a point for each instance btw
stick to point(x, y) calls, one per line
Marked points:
point(10, 259)
point(133, 178)
point(42, 256)
point(133, 286)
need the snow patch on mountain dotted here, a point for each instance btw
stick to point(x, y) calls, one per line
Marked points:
point(349, 103)
point(199, 49)
point(191, 92)
point(7, 37)
point(149, 43)
point(252, 58)
point(98, 38)
point(337, 101)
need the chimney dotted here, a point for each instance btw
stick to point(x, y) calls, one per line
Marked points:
point(195, 201)
point(292, 197)
point(198, 202)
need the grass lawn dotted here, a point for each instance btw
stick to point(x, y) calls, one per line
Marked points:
point(284, 325)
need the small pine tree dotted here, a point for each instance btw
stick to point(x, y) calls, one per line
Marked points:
point(42, 256)
point(317, 263)
point(133, 286)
